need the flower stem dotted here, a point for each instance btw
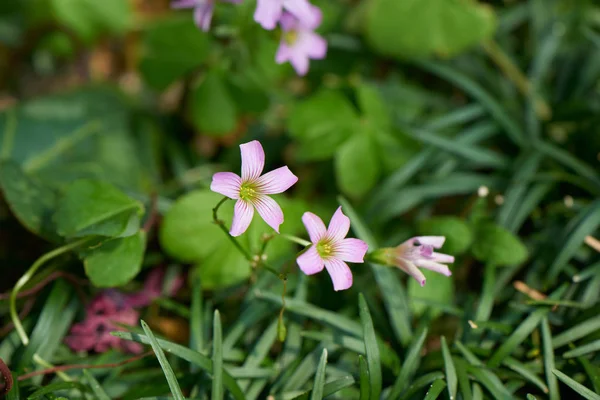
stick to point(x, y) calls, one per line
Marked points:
point(221, 225)
point(296, 239)
point(28, 275)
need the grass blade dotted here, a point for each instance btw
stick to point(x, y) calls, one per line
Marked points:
point(410, 365)
point(576, 332)
point(196, 329)
point(317, 392)
point(330, 387)
point(363, 369)
point(422, 382)
point(463, 378)
point(434, 391)
point(166, 367)
point(450, 370)
point(583, 350)
point(548, 352)
point(526, 373)
point(55, 387)
point(99, 393)
point(576, 386)
point(371, 348)
point(217, 358)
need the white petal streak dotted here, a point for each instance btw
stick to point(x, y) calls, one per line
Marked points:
point(310, 262)
point(412, 270)
point(351, 250)
point(338, 226)
point(340, 274)
point(314, 226)
point(269, 210)
point(226, 183)
point(277, 181)
point(433, 266)
point(253, 160)
point(242, 217)
point(435, 241)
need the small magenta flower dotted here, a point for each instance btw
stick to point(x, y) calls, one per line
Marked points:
point(203, 10)
point(417, 252)
point(251, 190)
point(299, 43)
point(330, 249)
point(269, 12)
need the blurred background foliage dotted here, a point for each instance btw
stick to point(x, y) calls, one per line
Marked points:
point(474, 120)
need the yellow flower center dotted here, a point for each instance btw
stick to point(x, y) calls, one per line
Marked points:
point(248, 191)
point(325, 249)
point(290, 37)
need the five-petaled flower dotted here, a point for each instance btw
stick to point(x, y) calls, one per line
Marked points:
point(330, 249)
point(203, 10)
point(251, 190)
point(269, 12)
point(299, 43)
point(417, 252)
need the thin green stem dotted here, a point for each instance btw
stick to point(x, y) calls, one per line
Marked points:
point(28, 275)
point(296, 239)
point(221, 225)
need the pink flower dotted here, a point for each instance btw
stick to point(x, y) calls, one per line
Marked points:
point(269, 12)
point(103, 314)
point(299, 43)
point(329, 249)
point(112, 307)
point(251, 189)
point(417, 252)
point(203, 10)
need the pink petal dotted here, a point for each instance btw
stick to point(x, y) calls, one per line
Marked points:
point(340, 274)
point(268, 12)
point(203, 15)
point(433, 266)
point(270, 211)
point(277, 181)
point(242, 216)
point(338, 226)
point(442, 258)
point(307, 14)
point(310, 262)
point(351, 250)
point(435, 241)
point(283, 53)
point(226, 183)
point(253, 160)
point(299, 61)
point(412, 270)
point(317, 46)
point(288, 22)
point(314, 226)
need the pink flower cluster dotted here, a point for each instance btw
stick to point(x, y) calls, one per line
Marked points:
point(329, 248)
point(112, 308)
point(297, 19)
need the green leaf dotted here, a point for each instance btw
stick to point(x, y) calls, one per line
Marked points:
point(450, 370)
point(497, 246)
point(317, 392)
point(217, 358)
point(116, 261)
point(365, 388)
point(90, 18)
point(30, 201)
point(96, 208)
point(322, 123)
point(357, 165)
point(212, 108)
point(374, 109)
point(170, 49)
point(164, 363)
point(371, 348)
point(417, 28)
point(458, 233)
point(576, 386)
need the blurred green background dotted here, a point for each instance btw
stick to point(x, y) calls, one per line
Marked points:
point(475, 120)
